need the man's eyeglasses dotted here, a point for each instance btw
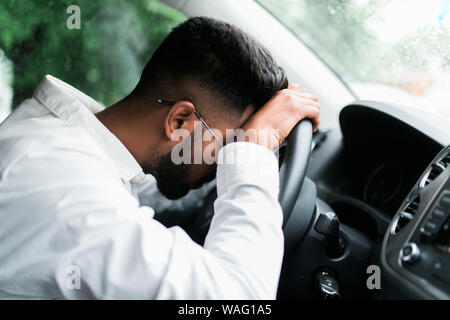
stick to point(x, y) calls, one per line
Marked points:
point(171, 103)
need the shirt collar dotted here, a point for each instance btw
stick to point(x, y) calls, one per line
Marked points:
point(76, 108)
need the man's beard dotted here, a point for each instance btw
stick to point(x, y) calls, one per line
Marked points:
point(170, 176)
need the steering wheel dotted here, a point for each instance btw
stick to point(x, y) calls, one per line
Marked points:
point(292, 174)
point(294, 165)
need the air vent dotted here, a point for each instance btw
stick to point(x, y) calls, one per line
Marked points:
point(407, 214)
point(435, 170)
point(445, 161)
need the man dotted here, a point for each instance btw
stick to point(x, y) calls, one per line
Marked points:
point(79, 184)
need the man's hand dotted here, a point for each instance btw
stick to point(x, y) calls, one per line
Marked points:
point(281, 113)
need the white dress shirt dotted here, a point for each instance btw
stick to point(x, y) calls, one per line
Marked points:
point(76, 214)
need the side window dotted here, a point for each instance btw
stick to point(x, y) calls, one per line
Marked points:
point(99, 47)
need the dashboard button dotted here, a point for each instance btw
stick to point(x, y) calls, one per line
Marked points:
point(445, 200)
point(428, 230)
point(426, 233)
point(410, 254)
point(438, 213)
point(441, 270)
point(437, 266)
point(430, 226)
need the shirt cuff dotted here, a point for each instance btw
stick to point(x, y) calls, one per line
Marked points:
point(247, 163)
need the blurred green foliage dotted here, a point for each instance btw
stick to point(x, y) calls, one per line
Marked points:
point(104, 58)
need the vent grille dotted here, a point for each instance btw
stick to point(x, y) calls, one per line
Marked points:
point(445, 161)
point(436, 168)
point(407, 214)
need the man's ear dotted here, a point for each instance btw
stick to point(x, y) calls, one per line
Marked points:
point(180, 116)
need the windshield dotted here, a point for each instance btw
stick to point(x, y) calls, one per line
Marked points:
point(393, 51)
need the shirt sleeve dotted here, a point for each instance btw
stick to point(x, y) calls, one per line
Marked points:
point(243, 250)
point(71, 213)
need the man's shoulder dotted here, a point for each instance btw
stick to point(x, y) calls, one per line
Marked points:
point(30, 139)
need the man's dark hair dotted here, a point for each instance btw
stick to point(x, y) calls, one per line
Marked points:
point(220, 58)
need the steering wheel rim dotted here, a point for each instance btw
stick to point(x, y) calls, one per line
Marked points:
point(296, 158)
point(294, 165)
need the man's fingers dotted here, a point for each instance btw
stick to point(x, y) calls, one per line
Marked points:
point(284, 110)
point(307, 102)
point(296, 86)
point(299, 93)
point(308, 109)
point(313, 114)
point(301, 102)
point(316, 116)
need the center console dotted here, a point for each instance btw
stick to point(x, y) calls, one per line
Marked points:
point(416, 249)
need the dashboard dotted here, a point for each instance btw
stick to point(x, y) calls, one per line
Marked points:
point(387, 175)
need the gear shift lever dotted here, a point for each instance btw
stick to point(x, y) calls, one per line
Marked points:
point(328, 225)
